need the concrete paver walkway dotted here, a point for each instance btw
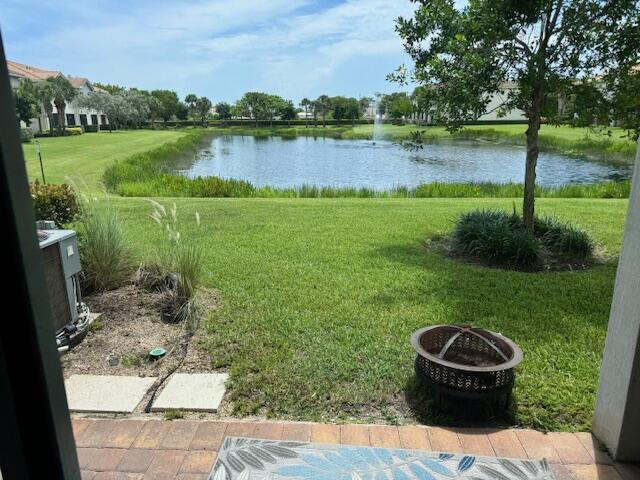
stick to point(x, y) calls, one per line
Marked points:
point(182, 449)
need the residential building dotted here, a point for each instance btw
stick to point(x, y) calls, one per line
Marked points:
point(74, 116)
point(492, 111)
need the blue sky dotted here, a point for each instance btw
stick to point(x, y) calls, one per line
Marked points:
point(217, 48)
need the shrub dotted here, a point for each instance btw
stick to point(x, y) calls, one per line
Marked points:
point(501, 238)
point(26, 135)
point(563, 238)
point(73, 131)
point(90, 128)
point(54, 202)
point(69, 131)
point(104, 251)
point(496, 236)
point(182, 260)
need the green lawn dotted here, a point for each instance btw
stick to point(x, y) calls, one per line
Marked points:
point(319, 298)
point(89, 154)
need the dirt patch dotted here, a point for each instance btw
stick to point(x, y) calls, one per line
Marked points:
point(129, 327)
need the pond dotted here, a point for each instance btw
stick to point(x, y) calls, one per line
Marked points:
point(289, 162)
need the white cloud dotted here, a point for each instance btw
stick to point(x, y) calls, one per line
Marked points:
point(180, 44)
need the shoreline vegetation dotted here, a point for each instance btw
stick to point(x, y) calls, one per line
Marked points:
point(150, 174)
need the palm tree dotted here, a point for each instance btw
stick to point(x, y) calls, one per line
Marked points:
point(324, 103)
point(191, 100)
point(313, 105)
point(63, 92)
point(305, 103)
point(44, 94)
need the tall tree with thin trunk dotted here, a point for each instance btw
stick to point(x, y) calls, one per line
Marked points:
point(305, 103)
point(203, 110)
point(63, 92)
point(191, 100)
point(324, 104)
point(44, 95)
point(545, 47)
point(314, 108)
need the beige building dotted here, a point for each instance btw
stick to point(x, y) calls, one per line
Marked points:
point(74, 116)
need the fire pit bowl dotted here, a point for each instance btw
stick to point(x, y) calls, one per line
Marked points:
point(466, 361)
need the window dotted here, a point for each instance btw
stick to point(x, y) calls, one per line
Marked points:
point(94, 119)
point(103, 119)
point(54, 121)
point(83, 119)
point(71, 119)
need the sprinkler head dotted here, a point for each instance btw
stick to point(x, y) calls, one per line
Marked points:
point(157, 353)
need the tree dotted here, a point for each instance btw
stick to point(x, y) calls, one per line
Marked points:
point(397, 105)
point(100, 101)
point(182, 112)
point(191, 100)
point(323, 103)
point(542, 45)
point(44, 94)
point(26, 102)
point(155, 108)
point(123, 108)
point(345, 108)
point(202, 109)
point(170, 103)
point(273, 103)
point(258, 105)
point(287, 111)
point(111, 105)
point(625, 103)
point(223, 110)
point(63, 92)
point(138, 110)
point(108, 87)
point(305, 103)
point(365, 103)
point(313, 105)
point(423, 104)
point(240, 109)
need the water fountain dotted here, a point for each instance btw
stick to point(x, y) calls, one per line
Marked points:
point(377, 120)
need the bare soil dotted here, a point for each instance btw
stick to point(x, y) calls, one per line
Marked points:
point(129, 327)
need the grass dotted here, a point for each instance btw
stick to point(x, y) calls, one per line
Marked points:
point(173, 414)
point(88, 155)
point(319, 298)
point(155, 183)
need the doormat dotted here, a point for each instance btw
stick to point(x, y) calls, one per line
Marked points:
point(252, 459)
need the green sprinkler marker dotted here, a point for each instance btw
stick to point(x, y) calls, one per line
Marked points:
point(157, 353)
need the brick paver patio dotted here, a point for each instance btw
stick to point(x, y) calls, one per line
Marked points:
point(182, 449)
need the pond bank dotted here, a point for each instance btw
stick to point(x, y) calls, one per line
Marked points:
point(150, 174)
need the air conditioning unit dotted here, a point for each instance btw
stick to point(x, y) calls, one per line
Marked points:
point(61, 261)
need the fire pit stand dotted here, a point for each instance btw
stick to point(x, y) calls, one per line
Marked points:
point(466, 362)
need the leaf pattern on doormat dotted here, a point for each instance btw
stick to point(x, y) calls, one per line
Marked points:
point(253, 459)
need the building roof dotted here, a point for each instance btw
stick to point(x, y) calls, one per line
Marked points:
point(35, 73)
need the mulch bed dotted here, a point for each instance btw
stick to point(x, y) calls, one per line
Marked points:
point(130, 326)
point(442, 245)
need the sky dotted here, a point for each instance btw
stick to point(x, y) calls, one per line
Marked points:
point(216, 48)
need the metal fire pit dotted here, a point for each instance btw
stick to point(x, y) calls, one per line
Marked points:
point(465, 361)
